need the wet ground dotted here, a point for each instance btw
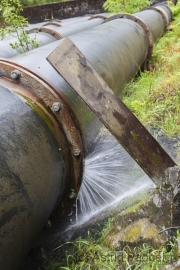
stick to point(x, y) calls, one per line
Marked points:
point(55, 236)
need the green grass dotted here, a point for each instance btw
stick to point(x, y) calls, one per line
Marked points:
point(89, 253)
point(154, 96)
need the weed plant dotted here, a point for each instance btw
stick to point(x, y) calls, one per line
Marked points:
point(13, 24)
point(90, 253)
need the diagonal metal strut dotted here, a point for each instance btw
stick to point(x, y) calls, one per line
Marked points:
point(73, 66)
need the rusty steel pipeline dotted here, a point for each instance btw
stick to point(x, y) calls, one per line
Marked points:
point(46, 129)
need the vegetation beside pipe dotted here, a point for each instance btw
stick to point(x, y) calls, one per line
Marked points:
point(154, 96)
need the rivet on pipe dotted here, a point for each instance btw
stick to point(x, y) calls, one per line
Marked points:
point(56, 106)
point(76, 152)
point(15, 74)
point(72, 195)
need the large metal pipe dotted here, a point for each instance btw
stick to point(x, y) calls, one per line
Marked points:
point(31, 177)
point(46, 128)
point(45, 33)
point(101, 45)
point(67, 30)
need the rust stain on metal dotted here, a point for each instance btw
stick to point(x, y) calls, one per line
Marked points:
point(41, 96)
point(51, 32)
point(125, 127)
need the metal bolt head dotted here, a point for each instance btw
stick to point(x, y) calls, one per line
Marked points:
point(72, 195)
point(48, 223)
point(15, 74)
point(76, 152)
point(56, 106)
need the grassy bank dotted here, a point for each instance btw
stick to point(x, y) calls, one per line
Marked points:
point(154, 96)
point(92, 254)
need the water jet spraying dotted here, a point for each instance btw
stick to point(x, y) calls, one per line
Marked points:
point(43, 145)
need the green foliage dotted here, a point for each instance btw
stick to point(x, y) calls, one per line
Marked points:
point(90, 254)
point(86, 254)
point(154, 96)
point(14, 24)
point(125, 6)
point(24, 42)
point(37, 2)
point(11, 10)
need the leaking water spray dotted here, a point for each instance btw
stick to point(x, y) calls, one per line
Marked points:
point(41, 113)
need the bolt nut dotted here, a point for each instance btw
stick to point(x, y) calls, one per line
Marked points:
point(56, 106)
point(15, 74)
point(76, 152)
point(72, 195)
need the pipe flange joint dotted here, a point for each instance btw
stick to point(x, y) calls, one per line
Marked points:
point(58, 115)
point(163, 16)
point(147, 32)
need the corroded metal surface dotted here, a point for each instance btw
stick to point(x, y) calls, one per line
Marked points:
point(31, 176)
point(41, 159)
point(78, 72)
point(41, 93)
point(51, 31)
point(116, 49)
point(116, 64)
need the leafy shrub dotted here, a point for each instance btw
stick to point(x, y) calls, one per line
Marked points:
point(125, 6)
